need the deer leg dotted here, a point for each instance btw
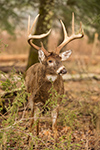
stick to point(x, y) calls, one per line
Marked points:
point(36, 119)
point(54, 116)
point(36, 122)
point(32, 120)
point(32, 106)
point(38, 110)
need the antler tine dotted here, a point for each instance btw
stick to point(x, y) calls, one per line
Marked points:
point(30, 30)
point(65, 37)
point(43, 49)
point(64, 30)
point(31, 37)
point(34, 22)
point(81, 30)
point(70, 38)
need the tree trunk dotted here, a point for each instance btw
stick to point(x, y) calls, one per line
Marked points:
point(43, 25)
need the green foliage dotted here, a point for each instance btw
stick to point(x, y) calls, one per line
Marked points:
point(9, 83)
point(14, 123)
point(11, 123)
point(86, 11)
point(12, 12)
point(13, 133)
point(3, 46)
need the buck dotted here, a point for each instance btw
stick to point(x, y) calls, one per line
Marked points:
point(40, 76)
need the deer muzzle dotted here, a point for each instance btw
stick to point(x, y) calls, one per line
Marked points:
point(61, 70)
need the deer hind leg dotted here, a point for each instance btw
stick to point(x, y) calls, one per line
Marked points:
point(54, 116)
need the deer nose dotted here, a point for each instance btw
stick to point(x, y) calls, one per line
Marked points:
point(63, 71)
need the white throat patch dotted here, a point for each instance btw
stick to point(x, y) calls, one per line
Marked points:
point(51, 77)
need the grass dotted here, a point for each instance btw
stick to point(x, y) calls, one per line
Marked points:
point(78, 121)
point(79, 116)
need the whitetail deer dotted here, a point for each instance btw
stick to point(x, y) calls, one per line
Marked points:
point(39, 76)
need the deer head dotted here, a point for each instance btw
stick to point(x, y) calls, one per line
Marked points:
point(52, 60)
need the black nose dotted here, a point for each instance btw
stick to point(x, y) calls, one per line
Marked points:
point(63, 71)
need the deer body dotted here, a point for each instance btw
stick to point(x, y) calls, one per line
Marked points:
point(40, 77)
point(39, 81)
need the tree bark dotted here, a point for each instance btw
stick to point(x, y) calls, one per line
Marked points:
point(46, 11)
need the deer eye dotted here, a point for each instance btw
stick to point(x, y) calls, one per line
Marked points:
point(50, 61)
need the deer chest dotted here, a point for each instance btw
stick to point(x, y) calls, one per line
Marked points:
point(45, 90)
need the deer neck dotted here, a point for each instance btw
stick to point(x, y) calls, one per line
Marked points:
point(50, 75)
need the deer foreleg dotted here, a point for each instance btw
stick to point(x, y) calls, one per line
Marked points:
point(54, 122)
point(32, 106)
point(36, 119)
point(32, 119)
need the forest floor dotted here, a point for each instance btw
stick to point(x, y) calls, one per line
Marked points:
point(79, 117)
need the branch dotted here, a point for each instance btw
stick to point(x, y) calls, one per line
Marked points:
point(84, 76)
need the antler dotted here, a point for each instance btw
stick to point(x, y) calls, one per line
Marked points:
point(31, 37)
point(72, 37)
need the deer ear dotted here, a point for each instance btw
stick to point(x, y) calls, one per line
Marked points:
point(41, 55)
point(65, 55)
